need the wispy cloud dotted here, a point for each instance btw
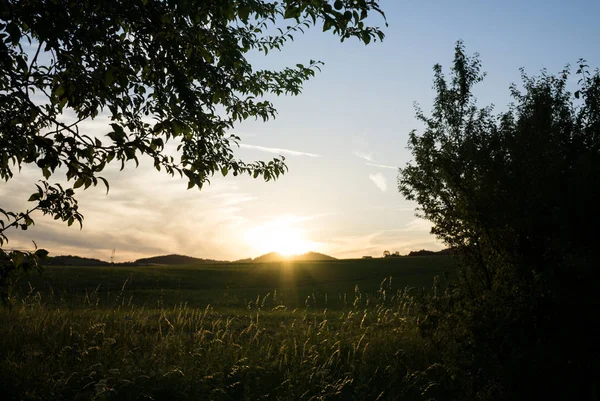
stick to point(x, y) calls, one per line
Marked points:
point(420, 225)
point(363, 155)
point(368, 157)
point(382, 166)
point(379, 181)
point(136, 222)
point(278, 151)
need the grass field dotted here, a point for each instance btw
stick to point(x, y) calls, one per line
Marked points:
point(301, 331)
point(232, 285)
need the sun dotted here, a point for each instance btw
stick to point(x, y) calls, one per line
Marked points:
point(281, 235)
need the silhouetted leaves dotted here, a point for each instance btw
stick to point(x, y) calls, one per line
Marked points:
point(11, 262)
point(515, 195)
point(161, 71)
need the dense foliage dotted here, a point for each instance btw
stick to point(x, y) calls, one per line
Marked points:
point(514, 194)
point(160, 71)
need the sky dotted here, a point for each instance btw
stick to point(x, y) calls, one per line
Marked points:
point(343, 138)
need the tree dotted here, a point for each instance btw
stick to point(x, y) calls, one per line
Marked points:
point(161, 71)
point(515, 196)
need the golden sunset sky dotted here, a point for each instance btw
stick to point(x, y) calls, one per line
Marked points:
point(343, 140)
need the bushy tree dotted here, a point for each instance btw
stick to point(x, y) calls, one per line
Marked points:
point(160, 70)
point(515, 195)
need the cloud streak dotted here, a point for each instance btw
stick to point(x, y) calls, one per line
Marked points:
point(382, 166)
point(370, 160)
point(379, 180)
point(365, 156)
point(278, 151)
point(145, 213)
point(419, 225)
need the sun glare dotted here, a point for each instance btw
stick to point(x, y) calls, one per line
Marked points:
point(280, 235)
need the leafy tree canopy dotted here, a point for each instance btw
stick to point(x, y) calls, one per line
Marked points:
point(516, 187)
point(161, 70)
point(515, 194)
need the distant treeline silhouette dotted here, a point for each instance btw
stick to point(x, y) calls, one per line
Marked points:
point(424, 252)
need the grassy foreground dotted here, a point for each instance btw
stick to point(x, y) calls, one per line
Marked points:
point(365, 348)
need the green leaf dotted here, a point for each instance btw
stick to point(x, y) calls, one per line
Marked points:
point(15, 33)
point(109, 77)
point(17, 258)
point(290, 12)
point(366, 37)
point(28, 220)
point(41, 253)
point(34, 197)
point(243, 12)
point(59, 91)
point(62, 104)
point(80, 181)
point(105, 183)
point(22, 64)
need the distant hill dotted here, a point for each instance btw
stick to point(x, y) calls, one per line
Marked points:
point(246, 260)
point(306, 257)
point(70, 260)
point(174, 260)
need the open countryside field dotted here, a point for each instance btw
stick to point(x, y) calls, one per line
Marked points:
point(148, 333)
point(329, 284)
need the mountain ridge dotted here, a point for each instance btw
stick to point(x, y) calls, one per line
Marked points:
point(174, 259)
point(305, 257)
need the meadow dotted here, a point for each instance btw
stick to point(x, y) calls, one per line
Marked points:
point(335, 330)
point(328, 284)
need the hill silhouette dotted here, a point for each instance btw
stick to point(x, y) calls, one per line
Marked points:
point(71, 260)
point(174, 259)
point(277, 257)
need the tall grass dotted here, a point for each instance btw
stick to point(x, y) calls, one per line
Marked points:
point(370, 350)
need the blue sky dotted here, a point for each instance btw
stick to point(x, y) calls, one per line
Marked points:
point(345, 134)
